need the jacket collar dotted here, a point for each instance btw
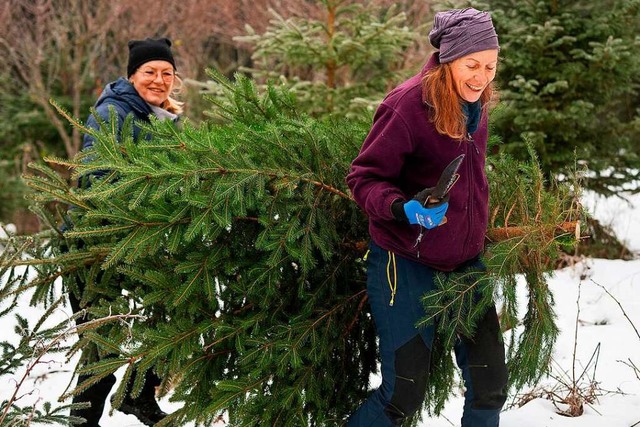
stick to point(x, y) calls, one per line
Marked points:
point(122, 90)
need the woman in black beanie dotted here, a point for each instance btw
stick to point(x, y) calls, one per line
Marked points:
point(151, 80)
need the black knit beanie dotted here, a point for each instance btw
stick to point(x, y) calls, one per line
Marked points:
point(141, 51)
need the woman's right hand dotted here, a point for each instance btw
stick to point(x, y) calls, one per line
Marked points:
point(427, 217)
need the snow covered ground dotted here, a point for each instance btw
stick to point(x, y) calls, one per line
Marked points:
point(598, 307)
point(601, 298)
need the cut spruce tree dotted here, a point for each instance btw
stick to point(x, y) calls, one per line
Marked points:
point(237, 252)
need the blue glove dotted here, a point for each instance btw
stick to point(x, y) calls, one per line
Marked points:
point(429, 217)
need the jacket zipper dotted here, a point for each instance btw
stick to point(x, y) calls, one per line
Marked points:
point(470, 196)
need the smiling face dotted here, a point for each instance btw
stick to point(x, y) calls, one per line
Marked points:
point(473, 73)
point(154, 81)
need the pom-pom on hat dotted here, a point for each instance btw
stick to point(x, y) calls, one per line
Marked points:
point(141, 51)
point(459, 32)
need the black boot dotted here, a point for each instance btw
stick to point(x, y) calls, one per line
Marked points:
point(96, 395)
point(144, 407)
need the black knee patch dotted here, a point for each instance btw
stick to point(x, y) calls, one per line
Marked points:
point(412, 374)
point(486, 363)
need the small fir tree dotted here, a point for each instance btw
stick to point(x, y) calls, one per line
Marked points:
point(342, 65)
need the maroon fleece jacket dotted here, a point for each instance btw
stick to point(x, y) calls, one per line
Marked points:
point(403, 154)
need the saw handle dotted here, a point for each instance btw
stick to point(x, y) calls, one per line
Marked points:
point(428, 200)
point(433, 202)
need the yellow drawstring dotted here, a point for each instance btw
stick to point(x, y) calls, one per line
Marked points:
point(366, 255)
point(393, 285)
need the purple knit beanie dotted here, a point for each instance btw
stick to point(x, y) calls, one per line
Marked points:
point(459, 32)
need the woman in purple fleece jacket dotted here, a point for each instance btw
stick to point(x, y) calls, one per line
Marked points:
point(421, 126)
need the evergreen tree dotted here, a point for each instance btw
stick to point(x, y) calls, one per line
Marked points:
point(569, 85)
point(12, 189)
point(342, 65)
point(26, 136)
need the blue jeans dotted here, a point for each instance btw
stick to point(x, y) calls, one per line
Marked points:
point(395, 286)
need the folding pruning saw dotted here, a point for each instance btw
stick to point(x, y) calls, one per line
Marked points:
point(448, 178)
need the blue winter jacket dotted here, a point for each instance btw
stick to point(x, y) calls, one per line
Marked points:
point(125, 99)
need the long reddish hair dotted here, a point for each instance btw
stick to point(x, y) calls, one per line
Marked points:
point(439, 93)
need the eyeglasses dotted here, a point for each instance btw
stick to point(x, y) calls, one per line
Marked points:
point(149, 75)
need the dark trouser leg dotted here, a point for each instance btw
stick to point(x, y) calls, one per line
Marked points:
point(404, 349)
point(151, 381)
point(97, 394)
point(482, 362)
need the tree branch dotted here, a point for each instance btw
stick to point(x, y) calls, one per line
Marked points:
point(504, 233)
